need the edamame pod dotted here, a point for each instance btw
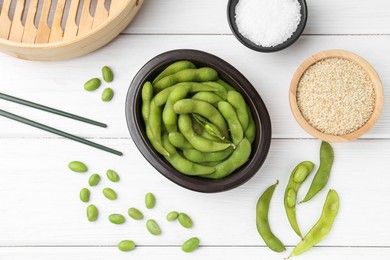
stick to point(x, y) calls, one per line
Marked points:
point(208, 97)
point(262, 223)
point(200, 157)
point(322, 175)
point(146, 96)
point(179, 141)
point(298, 176)
point(187, 75)
point(169, 117)
point(237, 159)
point(228, 112)
point(225, 85)
point(323, 225)
point(198, 142)
point(250, 132)
point(222, 91)
point(187, 106)
point(173, 68)
point(209, 127)
point(183, 165)
point(237, 101)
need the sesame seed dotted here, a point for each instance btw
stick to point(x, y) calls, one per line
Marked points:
point(336, 96)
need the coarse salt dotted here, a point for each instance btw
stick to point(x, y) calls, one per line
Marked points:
point(268, 22)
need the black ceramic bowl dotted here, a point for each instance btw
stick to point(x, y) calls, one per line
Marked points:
point(231, 14)
point(226, 72)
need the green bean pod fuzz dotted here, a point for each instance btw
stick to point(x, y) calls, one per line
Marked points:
point(323, 225)
point(298, 176)
point(323, 173)
point(262, 223)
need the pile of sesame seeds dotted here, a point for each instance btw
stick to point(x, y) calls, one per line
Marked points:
point(336, 96)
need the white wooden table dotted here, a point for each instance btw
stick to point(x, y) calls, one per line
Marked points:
point(41, 216)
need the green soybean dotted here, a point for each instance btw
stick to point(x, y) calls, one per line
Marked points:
point(117, 219)
point(185, 220)
point(183, 165)
point(200, 157)
point(153, 227)
point(107, 94)
point(84, 195)
point(126, 245)
point(228, 112)
point(172, 216)
point(190, 245)
point(77, 166)
point(239, 157)
point(262, 223)
point(323, 225)
point(209, 127)
point(186, 106)
point(237, 101)
point(108, 76)
point(135, 214)
point(112, 175)
point(198, 142)
point(173, 68)
point(110, 194)
point(297, 177)
point(92, 213)
point(94, 179)
point(187, 75)
point(150, 200)
point(92, 84)
point(323, 173)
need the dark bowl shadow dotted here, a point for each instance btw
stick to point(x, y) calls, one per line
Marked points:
point(231, 14)
point(232, 76)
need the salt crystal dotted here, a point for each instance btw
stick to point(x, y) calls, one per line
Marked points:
point(268, 22)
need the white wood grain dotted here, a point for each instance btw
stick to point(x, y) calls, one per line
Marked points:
point(221, 253)
point(60, 84)
point(209, 17)
point(40, 204)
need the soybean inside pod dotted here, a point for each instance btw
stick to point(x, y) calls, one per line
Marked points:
point(199, 123)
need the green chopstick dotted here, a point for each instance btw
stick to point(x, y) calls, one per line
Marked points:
point(50, 110)
point(57, 132)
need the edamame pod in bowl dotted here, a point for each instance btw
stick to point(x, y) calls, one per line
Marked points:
point(186, 86)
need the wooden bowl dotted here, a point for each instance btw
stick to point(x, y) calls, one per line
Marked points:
point(66, 37)
point(377, 84)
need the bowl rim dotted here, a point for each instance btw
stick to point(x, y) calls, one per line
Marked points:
point(260, 146)
point(343, 54)
point(294, 37)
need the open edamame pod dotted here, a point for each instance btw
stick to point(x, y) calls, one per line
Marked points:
point(262, 223)
point(322, 175)
point(323, 225)
point(298, 176)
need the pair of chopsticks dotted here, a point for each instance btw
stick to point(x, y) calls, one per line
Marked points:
point(51, 129)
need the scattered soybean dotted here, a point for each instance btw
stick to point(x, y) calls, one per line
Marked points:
point(92, 84)
point(92, 213)
point(77, 166)
point(117, 219)
point(135, 214)
point(94, 179)
point(107, 94)
point(190, 245)
point(110, 194)
point(150, 200)
point(112, 175)
point(126, 245)
point(185, 220)
point(172, 216)
point(108, 76)
point(84, 195)
point(153, 227)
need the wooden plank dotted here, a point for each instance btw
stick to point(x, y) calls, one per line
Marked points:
point(56, 28)
point(5, 22)
point(17, 28)
point(41, 205)
point(43, 33)
point(59, 84)
point(220, 253)
point(30, 30)
point(209, 17)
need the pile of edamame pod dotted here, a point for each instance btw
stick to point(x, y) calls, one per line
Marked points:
point(199, 123)
point(298, 176)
